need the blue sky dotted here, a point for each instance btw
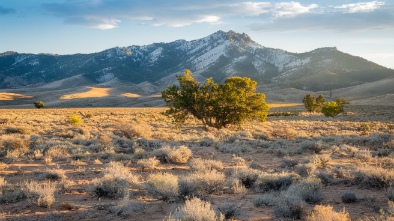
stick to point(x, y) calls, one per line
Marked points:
point(361, 28)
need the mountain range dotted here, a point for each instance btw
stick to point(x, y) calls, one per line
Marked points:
point(146, 70)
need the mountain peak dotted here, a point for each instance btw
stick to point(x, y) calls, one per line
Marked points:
point(234, 37)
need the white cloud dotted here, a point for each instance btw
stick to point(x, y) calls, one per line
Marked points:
point(291, 9)
point(252, 8)
point(361, 6)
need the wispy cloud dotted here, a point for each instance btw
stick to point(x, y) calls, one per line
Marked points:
point(267, 16)
point(5, 11)
point(361, 6)
point(334, 22)
point(291, 9)
point(107, 14)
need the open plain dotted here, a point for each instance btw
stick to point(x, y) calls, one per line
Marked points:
point(135, 163)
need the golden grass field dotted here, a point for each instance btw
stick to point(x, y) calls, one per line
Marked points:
point(134, 163)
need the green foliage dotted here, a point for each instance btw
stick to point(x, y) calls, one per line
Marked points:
point(332, 109)
point(313, 104)
point(74, 119)
point(216, 105)
point(39, 104)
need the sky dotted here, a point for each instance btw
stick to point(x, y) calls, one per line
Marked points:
point(360, 28)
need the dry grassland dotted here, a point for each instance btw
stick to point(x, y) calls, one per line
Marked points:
point(124, 163)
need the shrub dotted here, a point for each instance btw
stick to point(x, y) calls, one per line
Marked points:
point(43, 193)
point(38, 104)
point(289, 206)
point(200, 183)
point(196, 210)
point(364, 129)
point(216, 105)
point(349, 197)
point(313, 104)
point(309, 190)
point(115, 182)
point(390, 193)
point(126, 208)
point(275, 182)
point(326, 213)
point(150, 163)
point(374, 177)
point(163, 186)
point(247, 176)
point(332, 109)
point(305, 170)
point(202, 165)
point(137, 129)
point(229, 210)
point(180, 155)
point(74, 119)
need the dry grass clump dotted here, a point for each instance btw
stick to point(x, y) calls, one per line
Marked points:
point(326, 213)
point(349, 197)
point(53, 175)
point(374, 177)
point(11, 193)
point(14, 147)
point(288, 206)
point(163, 186)
point(179, 155)
point(176, 155)
point(202, 165)
point(275, 182)
point(246, 176)
point(195, 209)
point(115, 182)
point(42, 193)
point(200, 183)
point(17, 130)
point(136, 129)
point(150, 163)
point(126, 208)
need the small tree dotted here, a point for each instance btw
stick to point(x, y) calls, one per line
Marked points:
point(332, 109)
point(216, 105)
point(313, 104)
point(39, 104)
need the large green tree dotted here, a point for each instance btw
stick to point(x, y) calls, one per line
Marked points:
point(216, 105)
point(313, 104)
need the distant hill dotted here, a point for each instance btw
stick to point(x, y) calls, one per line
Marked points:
point(149, 69)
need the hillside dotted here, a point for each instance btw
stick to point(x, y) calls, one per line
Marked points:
point(146, 70)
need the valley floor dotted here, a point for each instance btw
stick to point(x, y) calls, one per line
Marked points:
point(134, 163)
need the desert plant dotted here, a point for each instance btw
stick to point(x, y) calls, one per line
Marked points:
point(332, 109)
point(289, 206)
point(309, 190)
point(196, 210)
point(365, 129)
point(74, 119)
point(349, 197)
point(276, 182)
point(115, 182)
point(38, 104)
point(230, 210)
point(150, 163)
point(202, 165)
point(179, 155)
point(326, 213)
point(200, 183)
point(313, 104)
point(43, 193)
point(163, 186)
point(216, 105)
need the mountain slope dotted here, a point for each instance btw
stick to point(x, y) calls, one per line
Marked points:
point(219, 56)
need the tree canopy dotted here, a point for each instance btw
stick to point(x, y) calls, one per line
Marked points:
point(216, 105)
